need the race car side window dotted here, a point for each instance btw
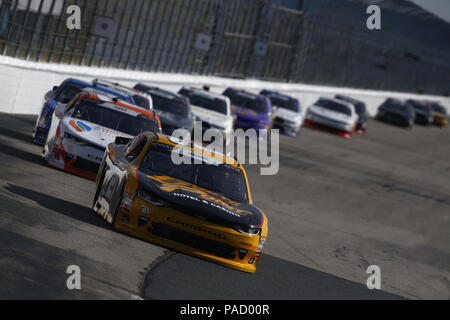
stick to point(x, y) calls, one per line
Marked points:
point(135, 148)
point(70, 105)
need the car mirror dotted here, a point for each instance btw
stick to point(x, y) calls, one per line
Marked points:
point(55, 88)
point(122, 140)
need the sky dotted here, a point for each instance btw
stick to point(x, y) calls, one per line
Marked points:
point(441, 8)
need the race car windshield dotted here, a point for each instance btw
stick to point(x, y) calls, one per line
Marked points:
point(90, 111)
point(242, 100)
point(221, 178)
point(173, 106)
point(217, 105)
point(438, 108)
point(419, 106)
point(69, 92)
point(331, 105)
point(141, 101)
point(286, 103)
point(400, 107)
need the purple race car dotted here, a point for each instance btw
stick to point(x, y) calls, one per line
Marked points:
point(251, 111)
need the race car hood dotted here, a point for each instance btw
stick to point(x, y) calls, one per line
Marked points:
point(215, 118)
point(193, 200)
point(91, 132)
point(330, 114)
point(249, 114)
point(174, 120)
point(286, 114)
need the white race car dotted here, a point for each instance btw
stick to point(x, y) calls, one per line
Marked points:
point(213, 110)
point(287, 112)
point(81, 131)
point(332, 114)
point(139, 98)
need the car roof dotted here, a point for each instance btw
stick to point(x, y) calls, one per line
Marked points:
point(348, 99)
point(89, 85)
point(131, 92)
point(395, 100)
point(172, 141)
point(342, 102)
point(117, 104)
point(276, 94)
point(249, 94)
point(418, 102)
point(158, 91)
point(116, 85)
point(204, 93)
point(77, 81)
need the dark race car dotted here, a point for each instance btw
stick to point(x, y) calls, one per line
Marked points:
point(423, 112)
point(361, 110)
point(396, 112)
point(174, 110)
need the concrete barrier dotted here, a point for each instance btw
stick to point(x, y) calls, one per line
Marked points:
point(23, 85)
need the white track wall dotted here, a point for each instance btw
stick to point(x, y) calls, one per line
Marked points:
point(23, 85)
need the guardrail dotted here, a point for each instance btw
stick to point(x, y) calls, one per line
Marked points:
point(24, 83)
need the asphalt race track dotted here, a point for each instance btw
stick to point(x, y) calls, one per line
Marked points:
point(336, 207)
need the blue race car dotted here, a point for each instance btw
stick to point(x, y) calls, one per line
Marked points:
point(62, 95)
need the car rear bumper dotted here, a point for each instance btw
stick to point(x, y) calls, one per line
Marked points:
point(331, 129)
point(286, 128)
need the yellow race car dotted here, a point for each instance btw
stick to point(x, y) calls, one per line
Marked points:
point(201, 206)
point(440, 117)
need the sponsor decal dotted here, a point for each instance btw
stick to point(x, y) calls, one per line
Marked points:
point(242, 253)
point(192, 227)
point(79, 126)
point(124, 209)
point(110, 133)
point(94, 158)
point(142, 221)
point(58, 141)
point(125, 219)
point(145, 210)
point(169, 184)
